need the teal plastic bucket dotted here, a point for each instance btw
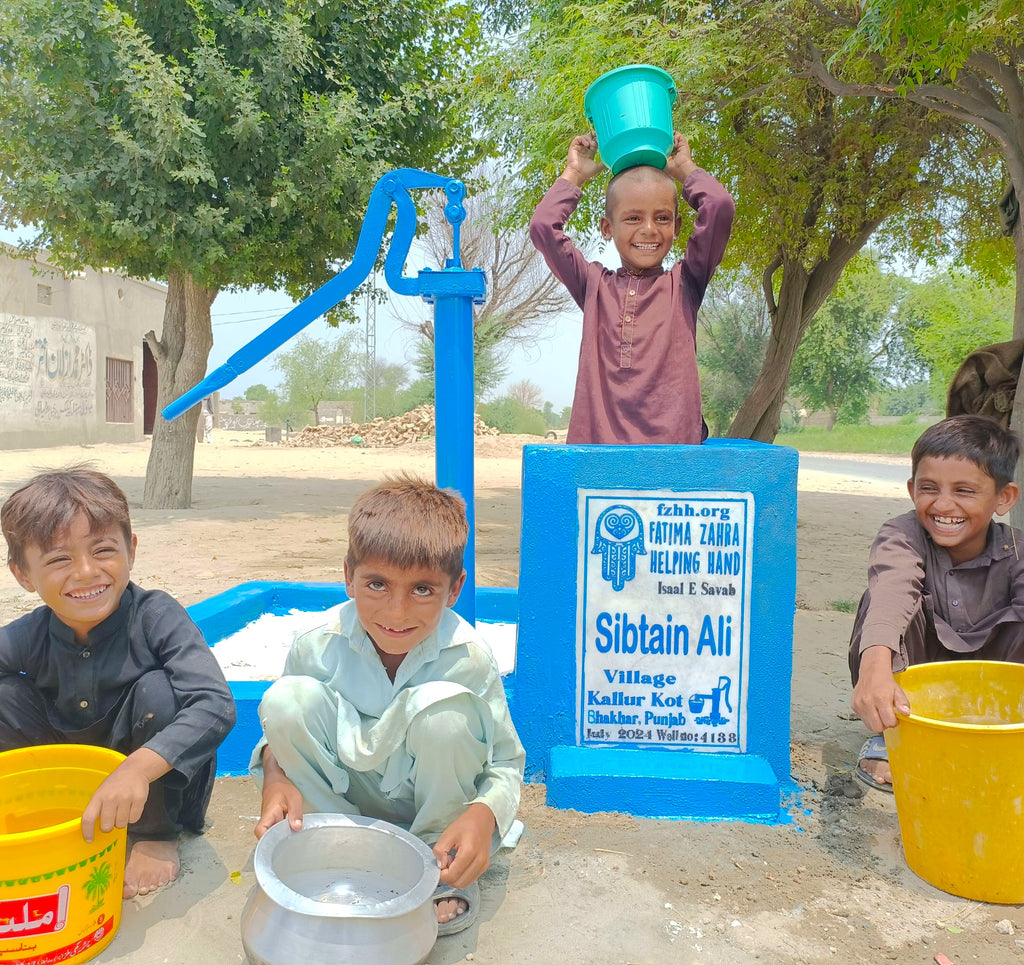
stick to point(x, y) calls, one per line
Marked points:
point(630, 109)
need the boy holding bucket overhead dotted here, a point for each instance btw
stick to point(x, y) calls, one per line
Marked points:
point(637, 380)
point(945, 580)
point(106, 663)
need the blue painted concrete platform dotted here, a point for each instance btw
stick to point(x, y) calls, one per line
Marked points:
point(601, 767)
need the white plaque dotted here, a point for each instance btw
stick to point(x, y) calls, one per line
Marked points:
point(664, 615)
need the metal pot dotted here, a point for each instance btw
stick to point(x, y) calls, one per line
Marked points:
point(344, 890)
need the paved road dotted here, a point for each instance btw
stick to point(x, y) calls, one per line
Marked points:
point(857, 469)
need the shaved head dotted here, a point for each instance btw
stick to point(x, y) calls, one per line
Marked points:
point(619, 185)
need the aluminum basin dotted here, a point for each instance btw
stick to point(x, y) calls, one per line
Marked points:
point(343, 890)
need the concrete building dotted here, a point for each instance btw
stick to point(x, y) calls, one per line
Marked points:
point(73, 363)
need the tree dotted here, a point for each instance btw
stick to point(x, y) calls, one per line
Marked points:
point(965, 61)
point(952, 313)
point(732, 335)
point(522, 294)
point(815, 176)
point(387, 382)
point(835, 368)
point(489, 366)
point(510, 415)
point(257, 393)
point(217, 144)
point(276, 410)
point(315, 370)
point(528, 394)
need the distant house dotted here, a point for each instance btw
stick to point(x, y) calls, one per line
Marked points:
point(334, 412)
point(73, 363)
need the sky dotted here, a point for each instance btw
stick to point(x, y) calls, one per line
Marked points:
point(238, 316)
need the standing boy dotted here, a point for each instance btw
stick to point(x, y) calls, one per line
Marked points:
point(394, 709)
point(637, 380)
point(104, 662)
point(945, 581)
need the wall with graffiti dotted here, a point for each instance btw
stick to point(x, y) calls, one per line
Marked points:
point(71, 353)
point(47, 372)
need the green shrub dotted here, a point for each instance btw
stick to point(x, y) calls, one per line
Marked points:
point(509, 415)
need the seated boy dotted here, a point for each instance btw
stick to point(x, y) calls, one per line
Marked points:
point(637, 380)
point(394, 709)
point(107, 663)
point(943, 579)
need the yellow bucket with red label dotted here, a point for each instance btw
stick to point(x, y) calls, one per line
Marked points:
point(60, 896)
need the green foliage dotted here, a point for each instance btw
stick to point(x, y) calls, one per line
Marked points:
point(953, 313)
point(733, 330)
point(814, 176)
point(963, 60)
point(257, 393)
point(234, 143)
point(934, 38)
point(390, 380)
point(846, 348)
point(421, 392)
point(917, 398)
point(277, 411)
point(509, 415)
point(315, 371)
point(489, 367)
point(215, 144)
point(896, 440)
point(556, 420)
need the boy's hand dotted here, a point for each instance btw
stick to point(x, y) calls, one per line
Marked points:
point(469, 836)
point(119, 800)
point(281, 798)
point(877, 696)
point(680, 163)
point(581, 164)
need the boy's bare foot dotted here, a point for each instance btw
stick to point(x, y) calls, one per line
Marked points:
point(151, 865)
point(448, 909)
point(878, 771)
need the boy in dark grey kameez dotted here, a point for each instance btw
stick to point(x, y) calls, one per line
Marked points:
point(107, 663)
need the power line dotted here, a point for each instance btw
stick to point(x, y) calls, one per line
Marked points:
point(248, 311)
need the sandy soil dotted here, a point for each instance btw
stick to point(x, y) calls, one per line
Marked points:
point(829, 884)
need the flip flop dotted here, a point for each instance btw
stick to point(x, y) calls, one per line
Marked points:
point(470, 895)
point(874, 749)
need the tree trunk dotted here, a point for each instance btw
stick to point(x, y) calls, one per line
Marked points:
point(801, 294)
point(181, 353)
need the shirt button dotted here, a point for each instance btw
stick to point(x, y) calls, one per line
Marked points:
point(86, 654)
point(955, 602)
point(629, 318)
point(83, 704)
point(632, 291)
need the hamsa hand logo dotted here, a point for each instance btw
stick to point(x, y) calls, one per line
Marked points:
point(619, 538)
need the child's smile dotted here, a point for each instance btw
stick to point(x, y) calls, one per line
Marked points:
point(643, 221)
point(955, 501)
point(399, 607)
point(82, 576)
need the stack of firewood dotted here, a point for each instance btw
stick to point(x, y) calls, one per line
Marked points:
point(380, 433)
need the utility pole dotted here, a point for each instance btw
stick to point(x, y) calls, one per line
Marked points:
point(370, 384)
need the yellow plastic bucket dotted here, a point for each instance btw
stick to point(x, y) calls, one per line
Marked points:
point(958, 777)
point(60, 897)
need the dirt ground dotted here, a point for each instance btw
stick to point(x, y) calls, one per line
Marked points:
point(829, 884)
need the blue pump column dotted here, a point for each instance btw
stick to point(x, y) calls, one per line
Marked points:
point(453, 292)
